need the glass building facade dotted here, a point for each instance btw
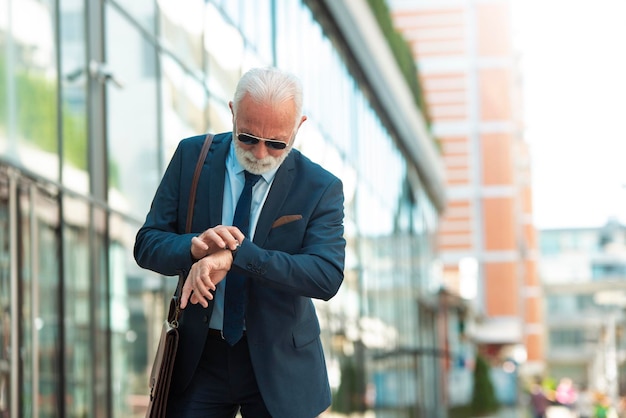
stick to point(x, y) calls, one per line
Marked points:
point(94, 97)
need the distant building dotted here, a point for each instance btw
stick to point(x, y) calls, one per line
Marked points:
point(583, 273)
point(487, 242)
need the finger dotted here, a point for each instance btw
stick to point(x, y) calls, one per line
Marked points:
point(199, 244)
point(203, 291)
point(213, 236)
point(226, 237)
point(184, 296)
point(202, 283)
point(239, 236)
point(195, 299)
point(235, 238)
point(199, 248)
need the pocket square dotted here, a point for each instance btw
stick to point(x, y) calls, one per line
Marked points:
point(285, 220)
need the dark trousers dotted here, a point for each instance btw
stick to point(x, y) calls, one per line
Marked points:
point(223, 383)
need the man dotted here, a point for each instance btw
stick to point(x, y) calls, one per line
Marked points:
point(293, 251)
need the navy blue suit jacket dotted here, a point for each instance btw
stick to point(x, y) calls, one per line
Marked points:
point(297, 254)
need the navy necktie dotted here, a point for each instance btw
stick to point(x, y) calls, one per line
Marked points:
point(235, 296)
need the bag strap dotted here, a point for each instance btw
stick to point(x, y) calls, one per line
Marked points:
point(174, 311)
point(196, 177)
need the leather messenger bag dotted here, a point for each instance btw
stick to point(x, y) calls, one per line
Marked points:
point(163, 365)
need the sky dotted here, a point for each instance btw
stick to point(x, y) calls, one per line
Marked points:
point(573, 64)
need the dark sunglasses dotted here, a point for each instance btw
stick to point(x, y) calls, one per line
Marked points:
point(253, 140)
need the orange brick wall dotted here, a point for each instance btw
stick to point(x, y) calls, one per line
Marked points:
point(502, 289)
point(497, 160)
point(534, 346)
point(495, 94)
point(499, 214)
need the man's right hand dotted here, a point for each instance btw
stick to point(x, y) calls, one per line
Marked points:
point(215, 239)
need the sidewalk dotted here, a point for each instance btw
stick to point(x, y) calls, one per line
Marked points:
point(513, 412)
point(523, 412)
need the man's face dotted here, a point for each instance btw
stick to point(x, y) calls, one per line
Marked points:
point(263, 121)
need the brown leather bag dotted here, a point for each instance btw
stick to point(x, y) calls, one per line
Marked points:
point(163, 365)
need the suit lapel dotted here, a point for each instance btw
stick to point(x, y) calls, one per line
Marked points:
point(275, 199)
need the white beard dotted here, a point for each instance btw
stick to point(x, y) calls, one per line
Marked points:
point(255, 166)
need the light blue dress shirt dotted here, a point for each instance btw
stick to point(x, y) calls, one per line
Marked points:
point(233, 185)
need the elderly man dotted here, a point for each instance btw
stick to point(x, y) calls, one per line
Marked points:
point(249, 332)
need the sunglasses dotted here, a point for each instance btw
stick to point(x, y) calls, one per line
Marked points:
point(253, 140)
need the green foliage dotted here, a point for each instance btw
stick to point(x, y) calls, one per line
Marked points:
point(461, 411)
point(484, 401)
point(36, 114)
point(350, 394)
point(402, 53)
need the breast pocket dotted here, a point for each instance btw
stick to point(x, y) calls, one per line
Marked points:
point(287, 234)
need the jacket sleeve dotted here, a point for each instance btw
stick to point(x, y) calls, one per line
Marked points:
point(160, 244)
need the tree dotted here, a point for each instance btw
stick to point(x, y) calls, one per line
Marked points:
point(484, 401)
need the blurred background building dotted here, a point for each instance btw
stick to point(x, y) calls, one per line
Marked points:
point(94, 97)
point(583, 271)
point(487, 242)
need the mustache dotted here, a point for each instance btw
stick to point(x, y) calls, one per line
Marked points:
point(258, 166)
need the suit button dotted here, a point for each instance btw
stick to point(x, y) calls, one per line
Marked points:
point(205, 319)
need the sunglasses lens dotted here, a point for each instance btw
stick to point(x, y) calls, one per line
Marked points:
point(276, 144)
point(250, 140)
point(247, 139)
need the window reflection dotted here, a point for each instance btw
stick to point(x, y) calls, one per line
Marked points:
point(31, 88)
point(132, 125)
point(35, 223)
point(5, 295)
point(144, 13)
point(74, 95)
point(183, 105)
point(224, 48)
point(181, 28)
point(79, 358)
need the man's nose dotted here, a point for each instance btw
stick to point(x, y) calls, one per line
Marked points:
point(260, 150)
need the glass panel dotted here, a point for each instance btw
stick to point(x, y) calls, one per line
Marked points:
point(101, 315)
point(78, 356)
point(45, 318)
point(143, 11)
point(5, 296)
point(133, 328)
point(132, 125)
point(257, 27)
point(28, 284)
point(182, 31)
point(220, 117)
point(224, 47)
point(74, 95)
point(184, 103)
point(32, 90)
point(137, 310)
point(232, 9)
point(39, 287)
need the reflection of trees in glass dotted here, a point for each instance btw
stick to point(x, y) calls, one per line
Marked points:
point(36, 116)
